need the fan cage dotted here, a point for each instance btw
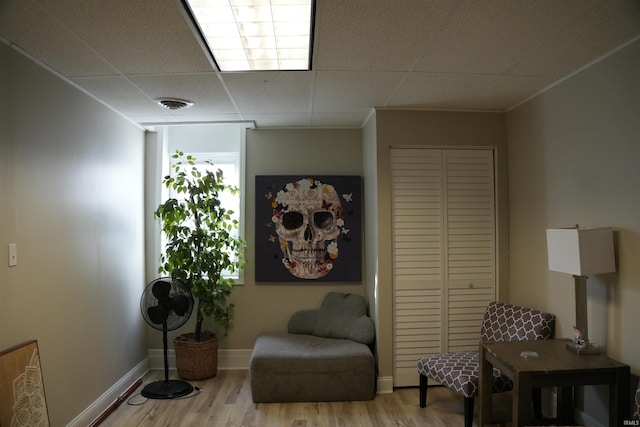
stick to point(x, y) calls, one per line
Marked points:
point(174, 321)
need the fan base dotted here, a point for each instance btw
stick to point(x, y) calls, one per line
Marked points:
point(166, 389)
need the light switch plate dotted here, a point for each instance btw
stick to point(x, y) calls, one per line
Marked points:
point(13, 255)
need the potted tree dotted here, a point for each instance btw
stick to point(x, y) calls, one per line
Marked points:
point(201, 251)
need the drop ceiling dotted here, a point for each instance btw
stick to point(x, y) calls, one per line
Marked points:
point(470, 55)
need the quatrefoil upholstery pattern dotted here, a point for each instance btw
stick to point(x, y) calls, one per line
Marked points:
point(506, 322)
point(459, 371)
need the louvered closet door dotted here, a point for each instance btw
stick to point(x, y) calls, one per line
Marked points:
point(470, 216)
point(443, 254)
point(418, 222)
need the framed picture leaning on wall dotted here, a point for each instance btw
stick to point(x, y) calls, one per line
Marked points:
point(22, 398)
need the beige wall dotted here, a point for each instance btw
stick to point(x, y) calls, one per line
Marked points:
point(71, 192)
point(574, 153)
point(396, 128)
point(267, 306)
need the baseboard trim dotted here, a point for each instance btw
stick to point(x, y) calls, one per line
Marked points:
point(94, 410)
point(385, 385)
point(227, 359)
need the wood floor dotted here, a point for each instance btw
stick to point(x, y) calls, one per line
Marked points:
point(225, 401)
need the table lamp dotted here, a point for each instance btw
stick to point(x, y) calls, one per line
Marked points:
point(581, 252)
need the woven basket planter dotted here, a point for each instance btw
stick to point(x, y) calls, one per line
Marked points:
point(196, 360)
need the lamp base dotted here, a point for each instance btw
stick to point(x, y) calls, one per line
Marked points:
point(584, 349)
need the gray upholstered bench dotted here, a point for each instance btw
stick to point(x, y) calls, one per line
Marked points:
point(324, 357)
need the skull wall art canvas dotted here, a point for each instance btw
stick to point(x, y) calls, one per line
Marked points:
point(308, 228)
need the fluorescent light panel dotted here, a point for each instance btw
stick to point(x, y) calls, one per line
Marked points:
point(249, 35)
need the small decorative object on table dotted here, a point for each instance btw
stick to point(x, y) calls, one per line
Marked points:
point(578, 340)
point(529, 354)
point(580, 346)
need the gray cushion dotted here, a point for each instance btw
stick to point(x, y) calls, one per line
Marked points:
point(362, 330)
point(303, 322)
point(340, 316)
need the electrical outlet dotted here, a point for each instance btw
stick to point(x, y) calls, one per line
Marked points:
point(13, 255)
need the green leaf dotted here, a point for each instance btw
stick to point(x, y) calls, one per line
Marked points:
point(199, 246)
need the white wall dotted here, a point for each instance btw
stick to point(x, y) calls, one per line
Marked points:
point(71, 198)
point(370, 170)
point(574, 153)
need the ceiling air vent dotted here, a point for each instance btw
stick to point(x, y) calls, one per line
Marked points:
point(174, 103)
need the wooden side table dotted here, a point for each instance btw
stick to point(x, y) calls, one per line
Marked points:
point(555, 366)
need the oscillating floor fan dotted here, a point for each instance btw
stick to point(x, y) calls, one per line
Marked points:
point(166, 305)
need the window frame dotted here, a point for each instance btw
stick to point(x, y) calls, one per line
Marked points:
point(238, 158)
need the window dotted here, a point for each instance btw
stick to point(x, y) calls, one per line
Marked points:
point(222, 145)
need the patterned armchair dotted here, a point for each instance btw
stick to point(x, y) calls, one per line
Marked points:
point(459, 371)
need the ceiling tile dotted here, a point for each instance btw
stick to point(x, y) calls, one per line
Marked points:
point(595, 33)
point(121, 94)
point(436, 54)
point(270, 91)
point(27, 25)
point(200, 88)
point(432, 90)
point(346, 91)
point(375, 35)
point(142, 36)
point(516, 27)
point(506, 92)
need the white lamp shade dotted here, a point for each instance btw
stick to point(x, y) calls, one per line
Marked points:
point(581, 252)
